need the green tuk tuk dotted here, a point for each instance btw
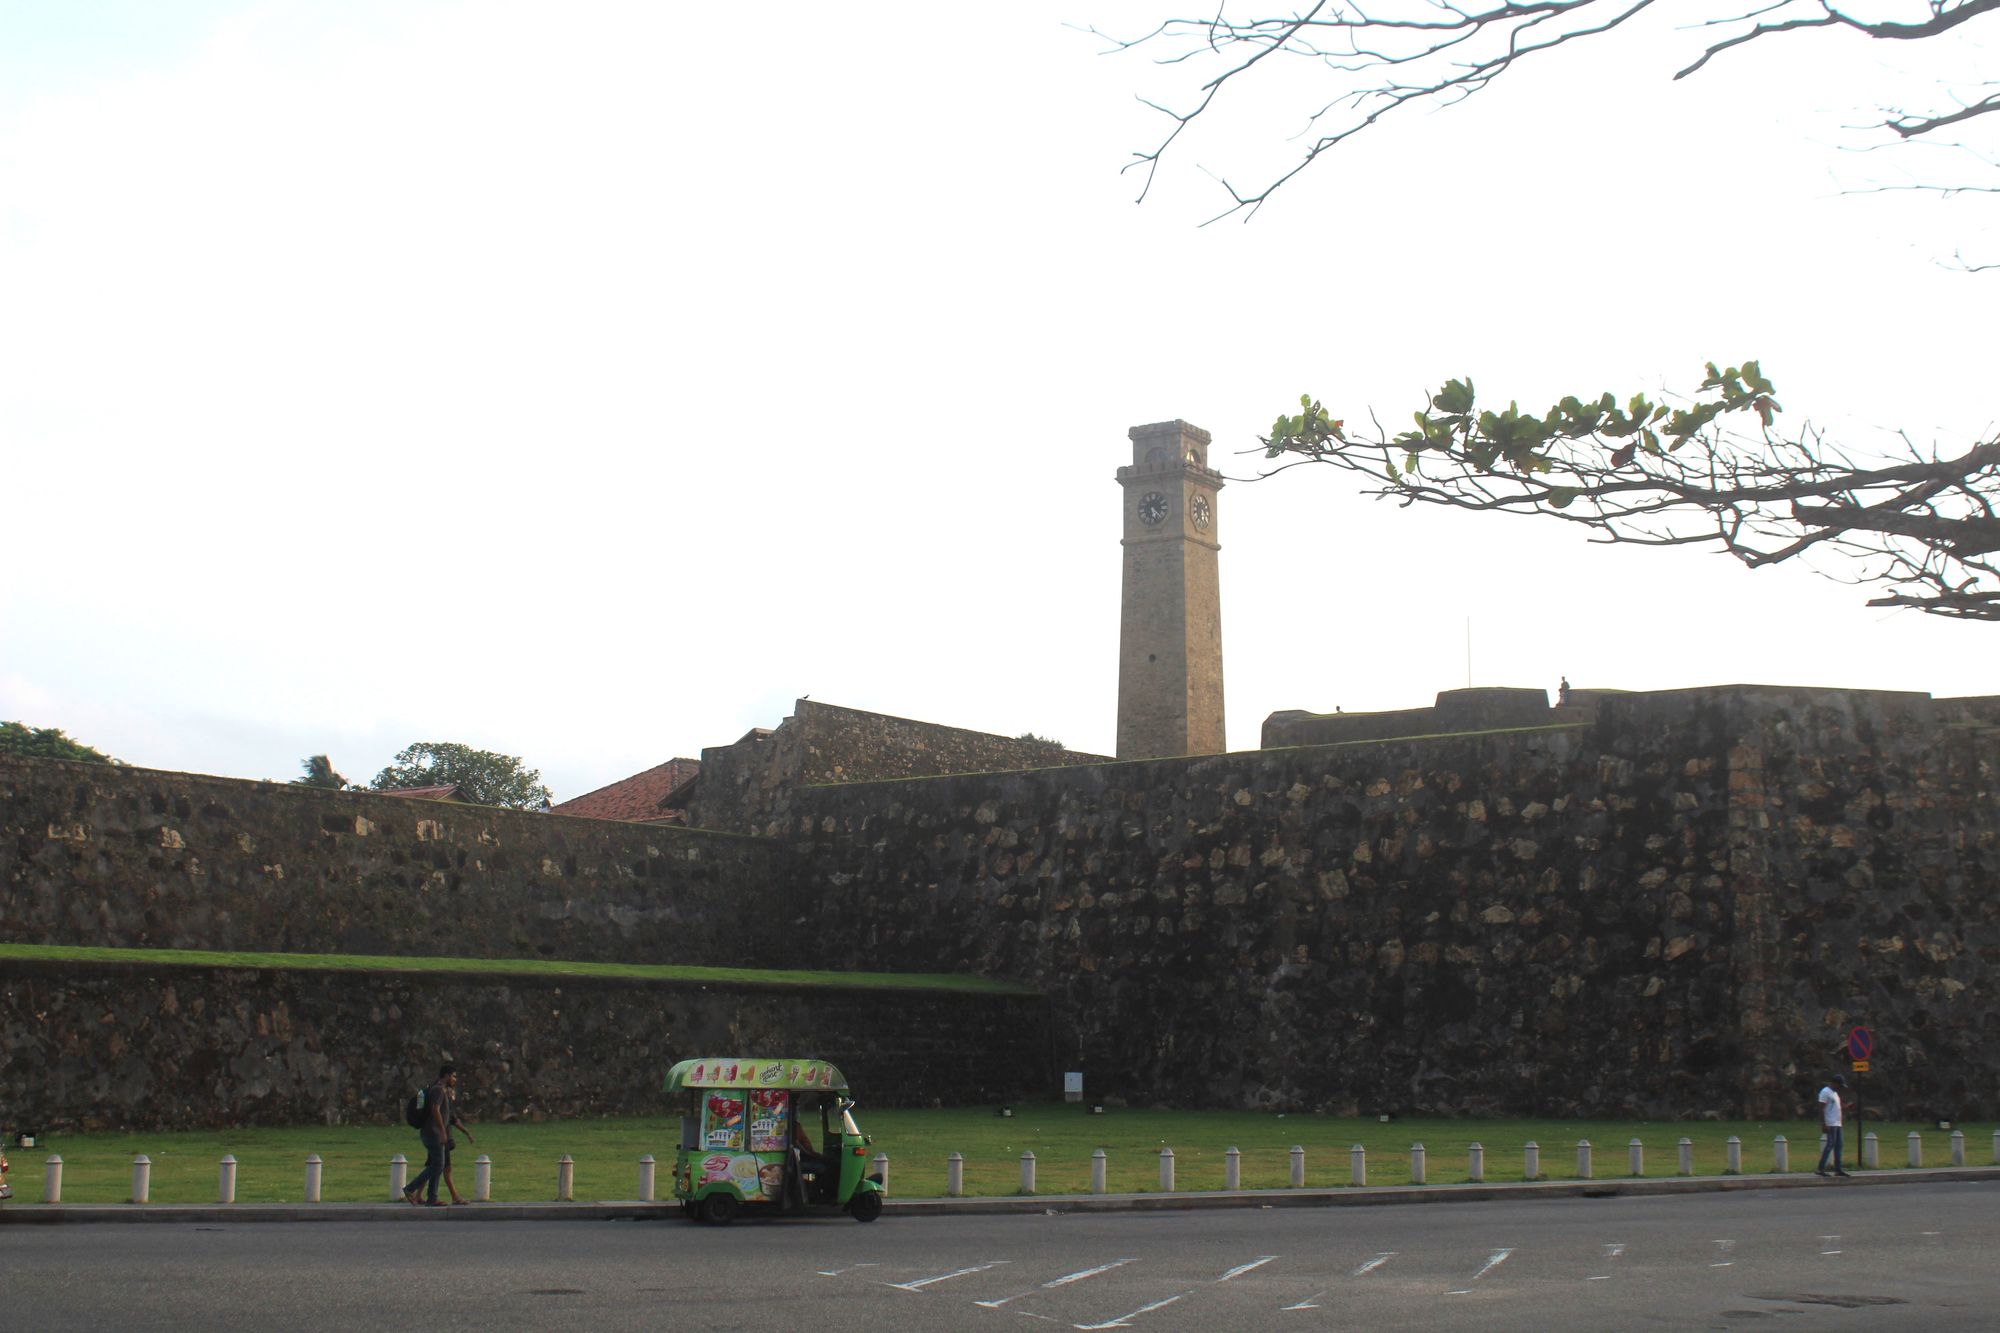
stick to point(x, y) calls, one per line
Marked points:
point(776, 1135)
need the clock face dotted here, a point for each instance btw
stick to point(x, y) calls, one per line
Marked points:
point(1200, 512)
point(1153, 509)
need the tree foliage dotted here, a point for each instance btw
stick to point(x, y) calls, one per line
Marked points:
point(483, 777)
point(1712, 472)
point(1391, 54)
point(46, 743)
point(319, 773)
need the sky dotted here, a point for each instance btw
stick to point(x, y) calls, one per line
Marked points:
point(587, 383)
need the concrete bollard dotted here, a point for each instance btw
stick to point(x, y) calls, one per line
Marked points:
point(399, 1175)
point(1583, 1169)
point(225, 1183)
point(1687, 1156)
point(1871, 1150)
point(565, 1179)
point(1167, 1169)
point(1635, 1158)
point(482, 1179)
point(314, 1168)
point(648, 1178)
point(1958, 1147)
point(1298, 1166)
point(1916, 1148)
point(1531, 1161)
point(1781, 1155)
point(1475, 1163)
point(1027, 1173)
point(881, 1165)
point(52, 1180)
point(1357, 1165)
point(1232, 1169)
point(142, 1178)
point(1097, 1161)
point(1416, 1163)
point(954, 1175)
point(1732, 1156)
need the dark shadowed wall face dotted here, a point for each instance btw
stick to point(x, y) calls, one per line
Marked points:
point(182, 1048)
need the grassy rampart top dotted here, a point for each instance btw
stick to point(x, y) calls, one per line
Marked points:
point(552, 969)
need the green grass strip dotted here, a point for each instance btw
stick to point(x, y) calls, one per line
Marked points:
point(516, 967)
point(98, 1165)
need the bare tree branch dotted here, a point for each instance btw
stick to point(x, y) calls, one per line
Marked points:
point(1383, 56)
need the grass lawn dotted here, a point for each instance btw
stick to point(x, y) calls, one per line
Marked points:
point(97, 1167)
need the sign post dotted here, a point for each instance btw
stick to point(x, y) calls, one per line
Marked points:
point(1860, 1050)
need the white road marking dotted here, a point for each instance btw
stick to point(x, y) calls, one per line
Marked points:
point(1120, 1321)
point(1063, 1281)
point(1611, 1251)
point(1241, 1269)
point(1373, 1264)
point(1493, 1261)
point(1829, 1242)
point(1309, 1303)
point(1722, 1249)
point(923, 1282)
point(836, 1272)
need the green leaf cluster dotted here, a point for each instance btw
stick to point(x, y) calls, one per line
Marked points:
point(482, 777)
point(47, 743)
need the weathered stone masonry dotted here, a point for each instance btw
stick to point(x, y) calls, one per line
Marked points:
point(1675, 910)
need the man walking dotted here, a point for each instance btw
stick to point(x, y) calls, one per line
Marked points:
point(1830, 1120)
point(437, 1098)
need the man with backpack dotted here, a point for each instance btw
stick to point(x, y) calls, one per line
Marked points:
point(426, 1113)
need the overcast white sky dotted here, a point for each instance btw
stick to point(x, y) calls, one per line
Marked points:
point(587, 382)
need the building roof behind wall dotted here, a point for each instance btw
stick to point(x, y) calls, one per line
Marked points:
point(638, 799)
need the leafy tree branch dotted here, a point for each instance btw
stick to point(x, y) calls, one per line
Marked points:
point(1923, 528)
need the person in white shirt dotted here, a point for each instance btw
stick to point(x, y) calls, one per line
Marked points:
point(1830, 1120)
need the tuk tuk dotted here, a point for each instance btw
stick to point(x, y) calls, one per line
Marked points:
point(772, 1135)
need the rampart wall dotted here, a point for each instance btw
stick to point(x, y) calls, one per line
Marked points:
point(132, 857)
point(1675, 910)
point(107, 1046)
point(821, 743)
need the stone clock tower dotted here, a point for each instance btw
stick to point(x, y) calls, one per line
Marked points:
point(1170, 631)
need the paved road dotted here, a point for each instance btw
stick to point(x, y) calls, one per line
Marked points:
point(1920, 1256)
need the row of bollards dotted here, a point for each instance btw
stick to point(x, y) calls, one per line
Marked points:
point(1232, 1168)
point(1531, 1162)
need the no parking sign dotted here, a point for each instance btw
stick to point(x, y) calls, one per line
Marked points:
point(1860, 1048)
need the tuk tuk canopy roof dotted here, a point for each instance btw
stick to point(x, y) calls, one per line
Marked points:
point(750, 1071)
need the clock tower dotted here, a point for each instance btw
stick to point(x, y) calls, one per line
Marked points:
point(1170, 630)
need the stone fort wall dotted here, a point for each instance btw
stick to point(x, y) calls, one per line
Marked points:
point(1674, 908)
point(1677, 909)
point(136, 858)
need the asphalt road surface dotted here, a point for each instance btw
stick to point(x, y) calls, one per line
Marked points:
point(1918, 1256)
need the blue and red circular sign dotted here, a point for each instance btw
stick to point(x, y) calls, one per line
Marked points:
point(1860, 1044)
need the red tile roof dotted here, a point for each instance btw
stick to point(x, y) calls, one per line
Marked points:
point(636, 799)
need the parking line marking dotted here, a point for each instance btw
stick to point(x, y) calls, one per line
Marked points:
point(923, 1282)
point(1829, 1241)
point(836, 1272)
point(1241, 1269)
point(1309, 1303)
point(1373, 1264)
point(1722, 1249)
point(1120, 1321)
point(1493, 1261)
point(1063, 1281)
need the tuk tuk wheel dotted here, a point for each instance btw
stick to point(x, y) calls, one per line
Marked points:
point(720, 1209)
point(865, 1206)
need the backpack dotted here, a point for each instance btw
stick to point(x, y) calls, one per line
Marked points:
point(415, 1114)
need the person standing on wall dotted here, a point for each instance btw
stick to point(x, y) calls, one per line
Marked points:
point(1830, 1120)
point(433, 1134)
point(451, 1122)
